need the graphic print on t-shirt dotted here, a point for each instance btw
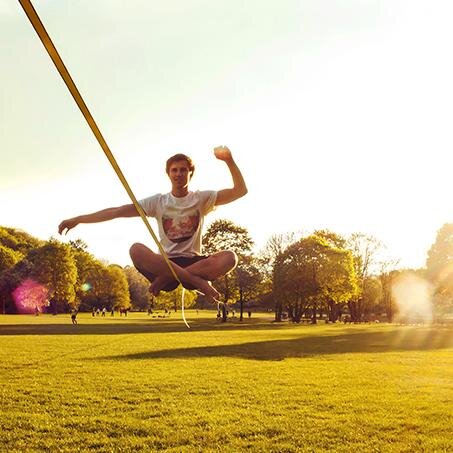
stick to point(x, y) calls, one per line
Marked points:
point(181, 228)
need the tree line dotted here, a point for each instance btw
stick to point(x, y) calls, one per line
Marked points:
point(300, 278)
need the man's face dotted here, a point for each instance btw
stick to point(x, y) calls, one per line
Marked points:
point(179, 174)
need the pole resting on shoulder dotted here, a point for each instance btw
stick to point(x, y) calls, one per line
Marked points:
point(64, 73)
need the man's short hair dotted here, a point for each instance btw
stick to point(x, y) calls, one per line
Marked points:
point(177, 158)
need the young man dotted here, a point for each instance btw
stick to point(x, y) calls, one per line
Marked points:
point(179, 215)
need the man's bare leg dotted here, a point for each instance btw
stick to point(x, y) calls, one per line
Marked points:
point(210, 269)
point(154, 264)
point(215, 266)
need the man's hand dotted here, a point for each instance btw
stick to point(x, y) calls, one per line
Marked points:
point(239, 188)
point(223, 153)
point(68, 225)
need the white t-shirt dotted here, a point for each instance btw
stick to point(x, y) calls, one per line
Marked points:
point(180, 220)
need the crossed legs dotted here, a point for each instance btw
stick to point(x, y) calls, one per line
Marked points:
point(197, 275)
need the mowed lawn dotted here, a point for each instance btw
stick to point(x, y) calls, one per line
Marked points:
point(149, 384)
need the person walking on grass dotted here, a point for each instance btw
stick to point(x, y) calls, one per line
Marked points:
point(179, 214)
point(74, 316)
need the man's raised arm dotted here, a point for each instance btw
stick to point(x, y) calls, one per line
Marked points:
point(127, 210)
point(239, 188)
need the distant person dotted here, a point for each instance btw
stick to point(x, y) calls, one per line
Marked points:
point(93, 312)
point(179, 215)
point(249, 313)
point(112, 313)
point(74, 316)
point(104, 311)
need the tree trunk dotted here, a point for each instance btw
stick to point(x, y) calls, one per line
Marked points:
point(278, 312)
point(241, 302)
point(313, 317)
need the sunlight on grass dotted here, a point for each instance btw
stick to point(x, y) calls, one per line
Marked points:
point(152, 384)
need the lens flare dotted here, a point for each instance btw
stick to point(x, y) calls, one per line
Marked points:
point(86, 287)
point(30, 296)
point(413, 295)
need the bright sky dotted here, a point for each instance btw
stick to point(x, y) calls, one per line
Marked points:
point(338, 113)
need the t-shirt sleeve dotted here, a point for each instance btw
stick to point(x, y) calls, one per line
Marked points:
point(149, 205)
point(207, 201)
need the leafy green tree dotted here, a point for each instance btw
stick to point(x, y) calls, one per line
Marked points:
point(141, 298)
point(17, 240)
point(387, 276)
point(313, 271)
point(371, 295)
point(337, 279)
point(88, 269)
point(273, 249)
point(248, 279)
point(53, 266)
point(107, 287)
point(439, 267)
point(10, 279)
point(119, 288)
point(296, 276)
point(171, 300)
point(225, 235)
point(332, 238)
point(8, 259)
point(365, 249)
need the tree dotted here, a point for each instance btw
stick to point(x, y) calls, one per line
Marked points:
point(387, 275)
point(17, 240)
point(364, 249)
point(87, 271)
point(273, 249)
point(118, 291)
point(8, 258)
point(439, 267)
point(339, 275)
point(332, 238)
point(313, 271)
point(371, 295)
point(171, 300)
point(54, 267)
point(337, 279)
point(141, 298)
point(248, 279)
point(225, 235)
point(8, 279)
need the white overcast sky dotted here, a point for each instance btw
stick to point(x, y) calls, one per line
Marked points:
point(337, 111)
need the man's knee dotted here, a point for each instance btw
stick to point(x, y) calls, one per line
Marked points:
point(230, 259)
point(225, 261)
point(136, 251)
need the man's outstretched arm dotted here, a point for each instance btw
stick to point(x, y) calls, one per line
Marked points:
point(127, 210)
point(239, 188)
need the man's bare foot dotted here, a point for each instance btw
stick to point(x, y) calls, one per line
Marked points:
point(158, 284)
point(204, 287)
point(209, 292)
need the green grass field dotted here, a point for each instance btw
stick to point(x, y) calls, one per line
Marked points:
point(149, 384)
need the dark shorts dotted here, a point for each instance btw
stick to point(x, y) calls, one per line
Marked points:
point(181, 261)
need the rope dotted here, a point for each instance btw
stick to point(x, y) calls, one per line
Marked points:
point(58, 62)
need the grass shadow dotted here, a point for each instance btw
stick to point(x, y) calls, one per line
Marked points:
point(398, 340)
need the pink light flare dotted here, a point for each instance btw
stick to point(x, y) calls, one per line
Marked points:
point(30, 296)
